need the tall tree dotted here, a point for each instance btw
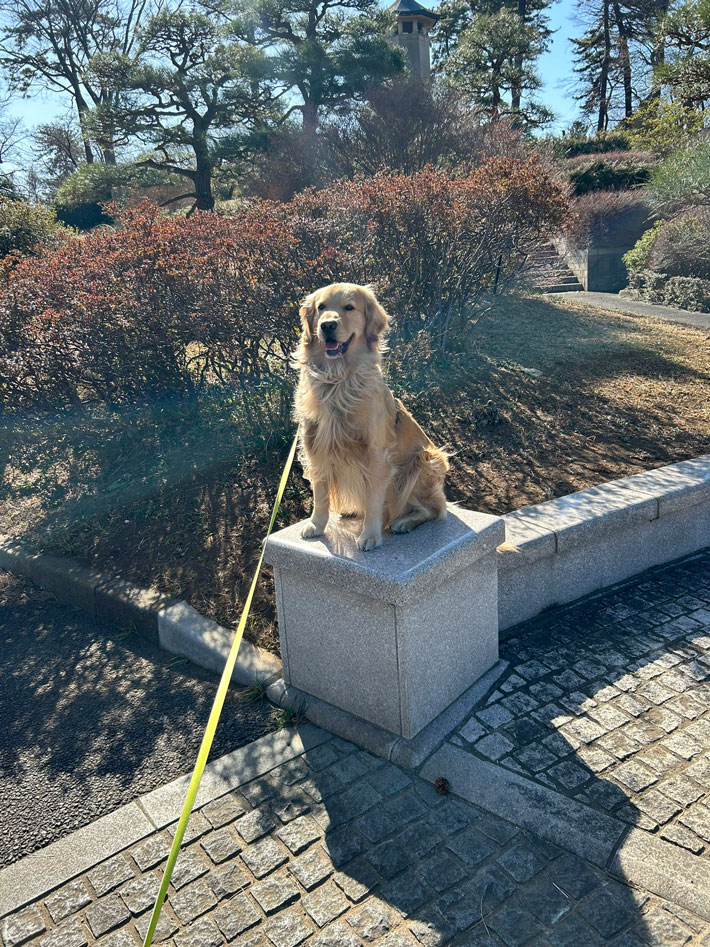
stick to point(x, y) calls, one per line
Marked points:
point(50, 44)
point(493, 63)
point(490, 48)
point(685, 34)
point(190, 96)
point(329, 52)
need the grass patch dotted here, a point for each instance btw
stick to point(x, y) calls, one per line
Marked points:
point(548, 397)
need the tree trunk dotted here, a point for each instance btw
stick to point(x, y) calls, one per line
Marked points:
point(603, 119)
point(204, 199)
point(516, 92)
point(310, 117)
point(625, 59)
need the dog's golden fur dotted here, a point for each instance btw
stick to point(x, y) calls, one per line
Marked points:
point(361, 450)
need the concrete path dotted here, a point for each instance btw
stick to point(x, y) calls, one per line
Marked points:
point(92, 717)
point(577, 814)
point(701, 320)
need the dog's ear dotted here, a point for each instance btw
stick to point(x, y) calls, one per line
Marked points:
point(307, 313)
point(376, 319)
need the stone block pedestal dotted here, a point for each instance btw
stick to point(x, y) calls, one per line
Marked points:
point(396, 634)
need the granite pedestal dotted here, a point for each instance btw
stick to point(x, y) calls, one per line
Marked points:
point(396, 634)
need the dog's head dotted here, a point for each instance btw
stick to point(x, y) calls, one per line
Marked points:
point(341, 320)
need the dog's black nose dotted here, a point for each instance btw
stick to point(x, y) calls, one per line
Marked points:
point(329, 328)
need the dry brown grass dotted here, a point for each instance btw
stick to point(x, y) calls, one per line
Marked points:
point(180, 502)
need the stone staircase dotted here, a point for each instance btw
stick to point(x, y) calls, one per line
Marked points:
point(547, 272)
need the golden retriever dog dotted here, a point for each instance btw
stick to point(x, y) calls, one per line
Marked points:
point(361, 450)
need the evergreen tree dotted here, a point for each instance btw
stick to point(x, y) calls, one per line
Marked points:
point(327, 52)
point(488, 48)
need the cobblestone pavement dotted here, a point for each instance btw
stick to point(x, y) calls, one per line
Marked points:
point(609, 701)
point(338, 849)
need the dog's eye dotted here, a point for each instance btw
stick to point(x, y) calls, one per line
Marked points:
point(321, 306)
point(348, 307)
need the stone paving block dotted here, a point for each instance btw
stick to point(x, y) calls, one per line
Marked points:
point(573, 876)
point(472, 730)
point(609, 909)
point(275, 893)
point(657, 806)
point(658, 928)
point(659, 759)
point(227, 880)
point(389, 858)
point(342, 845)
point(260, 790)
point(389, 779)
point(594, 758)
point(20, 927)
point(522, 861)
point(697, 820)
point(225, 809)
point(375, 825)
point(68, 934)
point(110, 874)
point(324, 904)
point(683, 837)
point(442, 871)
point(196, 827)
point(451, 817)
point(221, 844)
point(495, 716)
point(583, 729)
point(188, 867)
point(236, 916)
point(255, 824)
point(264, 856)
point(535, 758)
point(201, 933)
point(126, 938)
point(569, 774)
point(299, 834)
point(513, 925)
point(337, 935)
point(165, 927)
point(321, 756)
point(311, 869)
point(151, 852)
point(195, 899)
point(291, 804)
point(288, 929)
point(419, 838)
point(68, 900)
point(140, 894)
point(682, 744)
point(373, 920)
point(357, 881)
point(106, 914)
point(682, 789)
point(634, 775)
point(494, 746)
point(403, 808)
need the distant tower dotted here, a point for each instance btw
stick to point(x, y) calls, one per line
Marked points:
point(413, 25)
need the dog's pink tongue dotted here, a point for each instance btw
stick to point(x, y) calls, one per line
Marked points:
point(331, 344)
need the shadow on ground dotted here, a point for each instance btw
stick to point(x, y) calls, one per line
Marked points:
point(93, 718)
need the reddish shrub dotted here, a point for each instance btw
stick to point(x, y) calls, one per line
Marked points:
point(162, 306)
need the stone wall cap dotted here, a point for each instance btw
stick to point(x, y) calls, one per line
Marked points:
point(400, 571)
point(531, 540)
point(577, 517)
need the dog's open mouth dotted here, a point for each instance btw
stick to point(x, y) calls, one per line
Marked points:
point(333, 348)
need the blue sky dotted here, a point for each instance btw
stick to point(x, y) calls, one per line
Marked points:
point(555, 68)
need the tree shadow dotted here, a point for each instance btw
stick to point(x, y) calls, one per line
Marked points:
point(93, 718)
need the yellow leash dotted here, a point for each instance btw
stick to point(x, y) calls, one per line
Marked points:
point(208, 737)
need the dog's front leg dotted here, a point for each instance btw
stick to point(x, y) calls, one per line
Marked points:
point(371, 536)
point(321, 509)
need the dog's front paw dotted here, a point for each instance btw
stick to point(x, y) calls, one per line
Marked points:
point(368, 541)
point(311, 529)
